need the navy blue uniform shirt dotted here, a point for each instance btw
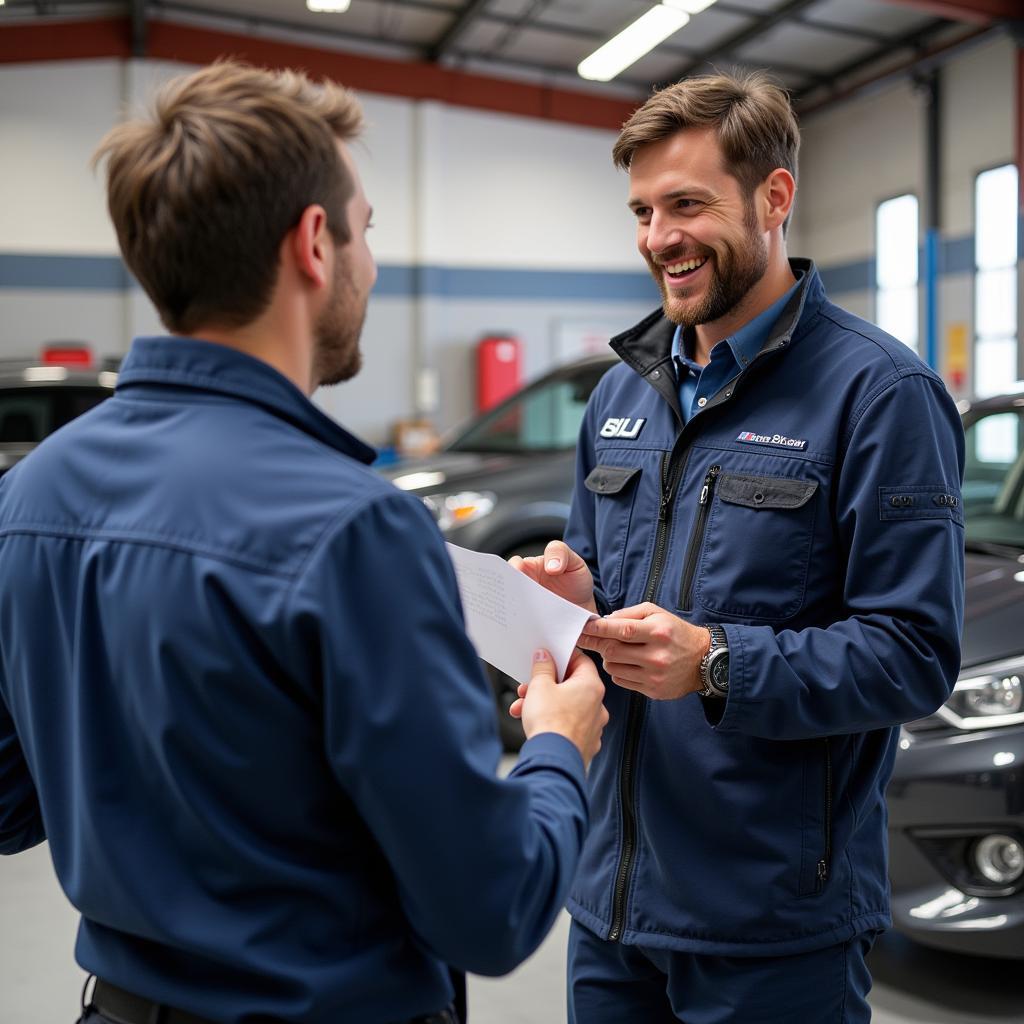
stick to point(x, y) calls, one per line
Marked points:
point(812, 508)
point(237, 698)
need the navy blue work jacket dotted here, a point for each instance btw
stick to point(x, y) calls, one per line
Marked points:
point(812, 507)
point(236, 696)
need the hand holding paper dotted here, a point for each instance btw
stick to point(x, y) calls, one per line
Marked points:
point(509, 616)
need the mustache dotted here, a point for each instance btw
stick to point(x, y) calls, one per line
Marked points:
point(679, 255)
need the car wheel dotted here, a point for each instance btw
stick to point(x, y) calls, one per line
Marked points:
point(505, 687)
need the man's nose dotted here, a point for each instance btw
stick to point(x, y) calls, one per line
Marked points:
point(662, 235)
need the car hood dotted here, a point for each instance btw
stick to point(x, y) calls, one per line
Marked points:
point(448, 471)
point(994, 611)
point(12, 452)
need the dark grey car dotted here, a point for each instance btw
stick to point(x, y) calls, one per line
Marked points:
point(956, 800)
point(37, 398)
point(503, 485)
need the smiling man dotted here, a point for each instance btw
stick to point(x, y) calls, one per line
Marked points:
point(776, 547)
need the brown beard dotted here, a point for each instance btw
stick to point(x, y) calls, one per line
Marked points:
point(336, 355)
point(734, 274)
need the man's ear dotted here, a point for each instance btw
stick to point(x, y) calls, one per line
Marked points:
point(309, 243)
point(778, 191)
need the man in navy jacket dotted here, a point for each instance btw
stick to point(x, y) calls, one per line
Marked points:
point(767, 515)
point(235, 690)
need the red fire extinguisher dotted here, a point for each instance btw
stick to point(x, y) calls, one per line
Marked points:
point(498, 369)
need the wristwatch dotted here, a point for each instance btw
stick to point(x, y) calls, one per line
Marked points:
point(714, 666)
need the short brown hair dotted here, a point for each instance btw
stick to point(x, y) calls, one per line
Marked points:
point(751, 115)
point(204, 190)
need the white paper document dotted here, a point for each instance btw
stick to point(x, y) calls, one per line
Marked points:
point(508, 616)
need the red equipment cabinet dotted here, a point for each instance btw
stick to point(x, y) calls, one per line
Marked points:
point(498, 369)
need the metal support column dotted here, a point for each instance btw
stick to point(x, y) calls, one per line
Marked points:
point(931, 89)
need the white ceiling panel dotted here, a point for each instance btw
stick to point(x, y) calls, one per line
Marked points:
point(889, 19)
point(709, 28)
point(390, 22)
point(794, 44)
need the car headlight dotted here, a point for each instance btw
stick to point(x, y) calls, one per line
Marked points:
point(987, 696)
point(458, 509)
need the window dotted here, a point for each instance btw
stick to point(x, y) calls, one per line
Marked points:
point(896, 241)
point(995, 280)
point(994, 479)
point(544, 417)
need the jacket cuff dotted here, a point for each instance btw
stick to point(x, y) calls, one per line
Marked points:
point(551, 749)
point(725, 716)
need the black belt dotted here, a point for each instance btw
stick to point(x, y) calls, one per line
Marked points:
point(126, 1008)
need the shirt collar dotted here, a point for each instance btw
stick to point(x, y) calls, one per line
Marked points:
point(747, 341)
point(206, 366)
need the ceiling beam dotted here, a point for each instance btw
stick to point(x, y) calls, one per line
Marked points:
point(760, 25)
point(250, 22)
point(851, 31)
point(447, 39)
point(138, 20)
point(925, 56)
point(978, 12)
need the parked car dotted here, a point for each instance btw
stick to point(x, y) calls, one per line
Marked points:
point(956, 800)
point(503, 484)
point(37, 397)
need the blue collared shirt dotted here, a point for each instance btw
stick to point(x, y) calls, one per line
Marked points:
point(697, 384)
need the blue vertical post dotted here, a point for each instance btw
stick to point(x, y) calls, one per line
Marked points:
point(931, 87)
point(932, 255)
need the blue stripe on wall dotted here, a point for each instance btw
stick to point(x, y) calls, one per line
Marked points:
point(108, 273)
point(76, 273)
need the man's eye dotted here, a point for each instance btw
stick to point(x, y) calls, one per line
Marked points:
point(686, 204)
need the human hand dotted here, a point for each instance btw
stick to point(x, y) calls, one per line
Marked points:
point(648, 649)
point(561, 571)
point(571, 708)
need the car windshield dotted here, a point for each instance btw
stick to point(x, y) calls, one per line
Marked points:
point(28, 414)
point(994, 480)
point(544, 417)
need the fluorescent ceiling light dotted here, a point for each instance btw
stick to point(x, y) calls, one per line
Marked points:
point(690, 6)
point(632, 43)
point(328, 6)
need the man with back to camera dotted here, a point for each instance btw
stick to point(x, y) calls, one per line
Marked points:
point(235, 691)
point(775, 542)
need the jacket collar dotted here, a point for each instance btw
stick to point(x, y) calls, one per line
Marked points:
point(647, 347)
point(206, 366)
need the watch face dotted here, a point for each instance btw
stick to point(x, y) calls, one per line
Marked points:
point(718, 671)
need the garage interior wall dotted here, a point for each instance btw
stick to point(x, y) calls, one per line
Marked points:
point(484, 223)
point(860, 153)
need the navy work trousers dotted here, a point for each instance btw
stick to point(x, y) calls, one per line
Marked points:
point(610, 983)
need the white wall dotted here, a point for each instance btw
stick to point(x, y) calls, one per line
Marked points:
point(864, 151)
point(868, 148)
point(450, 187)
point(51, 118)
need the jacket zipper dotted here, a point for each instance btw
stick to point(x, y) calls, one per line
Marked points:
point(670, 477)
point(697, 537)
point(825, 863)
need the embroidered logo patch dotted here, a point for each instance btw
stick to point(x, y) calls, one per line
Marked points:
point(776, 440)
point(627, 427)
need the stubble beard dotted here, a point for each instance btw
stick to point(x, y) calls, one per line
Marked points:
point(733, 274)
point(337, 356)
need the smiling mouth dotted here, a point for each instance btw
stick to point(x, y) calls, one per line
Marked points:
point(682, 269)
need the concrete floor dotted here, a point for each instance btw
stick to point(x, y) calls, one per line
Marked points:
point(40, 984)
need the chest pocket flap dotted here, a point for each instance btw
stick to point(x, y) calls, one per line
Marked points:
point(765, 491)
point(610, 479)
